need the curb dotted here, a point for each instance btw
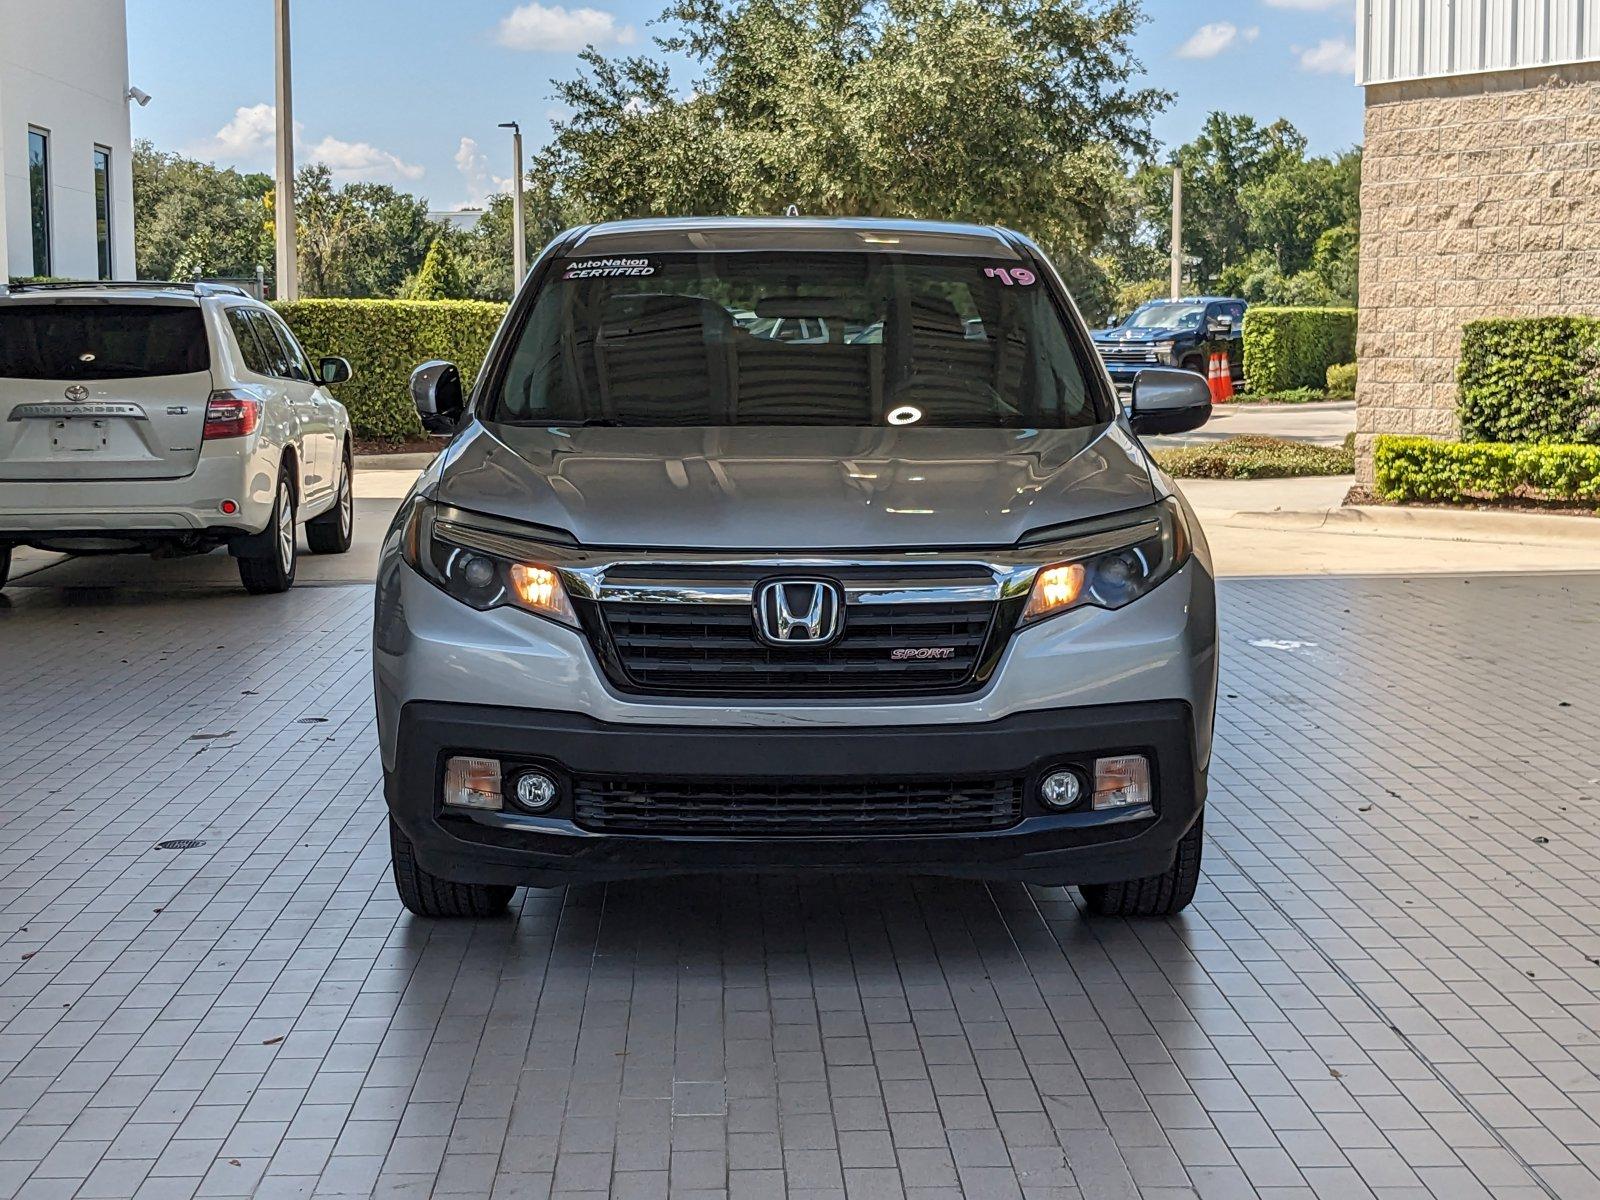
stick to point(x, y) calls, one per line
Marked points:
point(394, 462)
point(1464, 526)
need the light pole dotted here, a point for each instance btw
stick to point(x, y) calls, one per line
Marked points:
point(288, 274)
point(519, 219)
point(1177, 232)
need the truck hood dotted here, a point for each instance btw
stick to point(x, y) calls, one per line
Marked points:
point(1117, 337)
point(795, 488)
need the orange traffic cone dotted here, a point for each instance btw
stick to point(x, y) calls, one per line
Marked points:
point(1222, 390)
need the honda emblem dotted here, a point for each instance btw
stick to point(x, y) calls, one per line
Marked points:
point(799, 612)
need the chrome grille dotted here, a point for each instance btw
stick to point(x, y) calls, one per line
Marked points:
point(713, 648)
point(1127, 354)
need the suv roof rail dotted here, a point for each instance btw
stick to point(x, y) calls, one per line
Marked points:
point(199, 288)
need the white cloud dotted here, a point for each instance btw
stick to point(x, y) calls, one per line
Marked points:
point(362, 160)
point(537, 26)
point(1308, 5)
point(249, 138)
point(481, 182)
point(1330, 56)
point(251, 133)
point(1211, 40)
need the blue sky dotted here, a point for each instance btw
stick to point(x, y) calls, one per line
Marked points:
point(410, 91)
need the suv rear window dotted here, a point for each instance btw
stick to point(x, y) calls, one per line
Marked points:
point(765, 338)
point(97, 340)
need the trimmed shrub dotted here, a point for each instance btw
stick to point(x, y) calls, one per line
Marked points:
point(1288, 348)
point(1254, 457)
point(384, 341)
point(1295, 396)
point(1530, 379)
point(1342, 380)
point(1421, 469)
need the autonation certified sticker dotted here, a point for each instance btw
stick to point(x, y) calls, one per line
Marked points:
point(608, 268)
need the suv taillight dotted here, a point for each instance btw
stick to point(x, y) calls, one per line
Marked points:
point(231, 414)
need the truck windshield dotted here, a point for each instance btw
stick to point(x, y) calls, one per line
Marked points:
point(836, 339)
point(1167, 316)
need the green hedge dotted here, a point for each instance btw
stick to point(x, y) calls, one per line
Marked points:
point(1421, 469)
point(1254, 457)
point(384, 340)
point(1530, 379)
point(1288, 348)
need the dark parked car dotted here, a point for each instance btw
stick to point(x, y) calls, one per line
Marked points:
point(1173, 333)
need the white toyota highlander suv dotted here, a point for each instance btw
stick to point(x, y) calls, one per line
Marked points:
point(169, 419)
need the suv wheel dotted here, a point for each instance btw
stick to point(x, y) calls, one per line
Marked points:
point(1154, 895)
point(334, 530)
point(5, 564)
point(429, 896)
point(269, 565)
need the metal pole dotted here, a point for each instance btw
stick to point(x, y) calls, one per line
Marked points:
point(1177, 232)
point(288, 272)
point(519, 217)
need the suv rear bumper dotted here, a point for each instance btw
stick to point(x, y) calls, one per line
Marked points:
point(145, 507)
point(1078, 846)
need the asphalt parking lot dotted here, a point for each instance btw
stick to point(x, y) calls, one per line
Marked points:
point(1387, 985)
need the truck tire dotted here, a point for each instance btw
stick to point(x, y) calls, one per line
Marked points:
point(429, 896)
point(334, 530)
point(1155, 895)
point(267, 566)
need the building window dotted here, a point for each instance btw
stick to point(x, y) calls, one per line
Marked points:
point(102, 208)
point(39, 197)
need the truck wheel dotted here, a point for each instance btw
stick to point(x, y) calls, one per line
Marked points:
point(1154, 895)
point(429, 896)
point(269, 564)
point(1197, 365)
point(334, 530)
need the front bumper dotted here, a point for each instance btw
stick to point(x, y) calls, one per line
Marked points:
point(1080, 846)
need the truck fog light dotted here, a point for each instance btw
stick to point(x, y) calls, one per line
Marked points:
point(472, 783)
point(1061, 789)
point(536, 791)
point(1122, 782)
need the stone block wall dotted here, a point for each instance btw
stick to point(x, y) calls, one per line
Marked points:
point(1480, 196)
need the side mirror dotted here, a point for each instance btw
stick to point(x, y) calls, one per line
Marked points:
point(1219, 327)
point(332, 370)
point(436, 391)
point(1169, 401)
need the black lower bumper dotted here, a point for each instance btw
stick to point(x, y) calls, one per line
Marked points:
point(1041, 846)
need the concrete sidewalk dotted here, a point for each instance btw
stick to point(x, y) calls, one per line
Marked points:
point(1323, 423)
point(1301, 527)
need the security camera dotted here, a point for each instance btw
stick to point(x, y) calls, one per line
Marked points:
point(139, 96)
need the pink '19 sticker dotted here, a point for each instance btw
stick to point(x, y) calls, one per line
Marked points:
point(1018, 276)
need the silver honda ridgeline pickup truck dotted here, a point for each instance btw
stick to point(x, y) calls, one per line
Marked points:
point(795, 545)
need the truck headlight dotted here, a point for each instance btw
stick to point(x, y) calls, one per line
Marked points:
point(1164, 350)
point(1117, 577)
point(478, 576)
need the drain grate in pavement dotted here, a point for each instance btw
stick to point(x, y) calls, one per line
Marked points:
point(180, 844)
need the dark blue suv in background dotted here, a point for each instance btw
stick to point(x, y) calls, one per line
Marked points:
point(1173, 333)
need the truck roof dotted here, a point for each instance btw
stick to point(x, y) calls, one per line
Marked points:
point(687, 235)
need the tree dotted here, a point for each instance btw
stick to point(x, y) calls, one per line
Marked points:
point(485, 251)
point(194, 218)
point(440, 276)
point(362, 239)
point(1016, 113)
point(1262, 219)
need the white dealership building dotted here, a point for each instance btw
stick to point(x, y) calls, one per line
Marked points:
point(66, 174)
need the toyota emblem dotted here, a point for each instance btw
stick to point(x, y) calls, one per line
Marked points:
point(77, 392)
